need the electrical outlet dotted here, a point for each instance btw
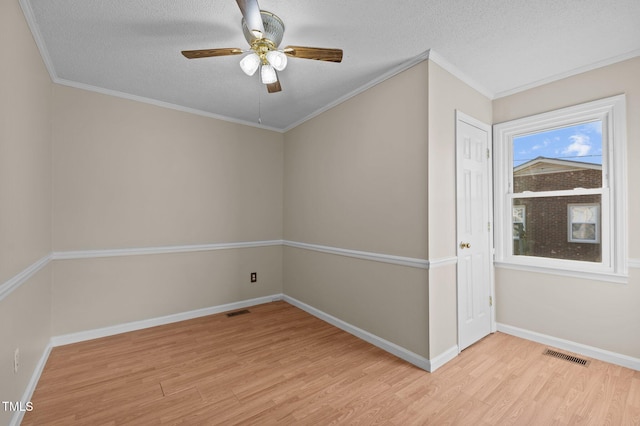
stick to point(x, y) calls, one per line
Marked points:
point(16, 360)
point(254, 277)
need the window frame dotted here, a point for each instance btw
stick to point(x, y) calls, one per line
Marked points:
point(611, 112)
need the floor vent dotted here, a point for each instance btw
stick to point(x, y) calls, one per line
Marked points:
point(566, 357)
point(236, 313)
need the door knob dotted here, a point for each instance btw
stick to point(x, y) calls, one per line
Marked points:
point(465, 245)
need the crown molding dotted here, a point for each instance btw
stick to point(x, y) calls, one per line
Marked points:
point(429, 54)
point(570, 73)
point(455, 71)
point(374, 82)
point(46, 58)
point(161, 104)
point(35, 32)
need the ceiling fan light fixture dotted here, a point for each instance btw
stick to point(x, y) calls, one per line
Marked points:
point(277, 59)
point(268, 74)
point(264, 31)
point(250, 64)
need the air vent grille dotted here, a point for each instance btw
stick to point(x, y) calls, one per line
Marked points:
point(236, 313)
point(570, 358)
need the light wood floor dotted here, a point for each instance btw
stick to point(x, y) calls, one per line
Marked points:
point(279, 365)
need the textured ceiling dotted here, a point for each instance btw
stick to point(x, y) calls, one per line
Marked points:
point(132, 48)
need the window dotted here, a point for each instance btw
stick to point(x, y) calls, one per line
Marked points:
point(519, 213)
point(560, 191)
point(583, 223)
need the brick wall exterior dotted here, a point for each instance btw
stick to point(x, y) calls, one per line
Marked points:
point(546, 220)
point(585, 178)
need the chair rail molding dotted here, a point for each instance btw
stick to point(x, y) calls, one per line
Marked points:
point(23, 276)
point(365, 255)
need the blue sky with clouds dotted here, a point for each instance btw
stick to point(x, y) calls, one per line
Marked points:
point(582, 142)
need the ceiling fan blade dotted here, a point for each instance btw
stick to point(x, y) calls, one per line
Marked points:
point(207, 53)
point(251, 13)
point(317, 53)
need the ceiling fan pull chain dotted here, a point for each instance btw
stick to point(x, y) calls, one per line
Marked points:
point(259, 107)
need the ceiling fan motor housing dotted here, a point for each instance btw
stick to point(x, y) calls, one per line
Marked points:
point(273, 28)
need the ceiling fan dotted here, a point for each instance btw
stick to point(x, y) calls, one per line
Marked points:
point(263, 31)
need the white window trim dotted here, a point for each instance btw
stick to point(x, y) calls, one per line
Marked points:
point(612, 112)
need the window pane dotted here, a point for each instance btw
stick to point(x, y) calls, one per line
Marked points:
point(558, 227)
point(560, 159)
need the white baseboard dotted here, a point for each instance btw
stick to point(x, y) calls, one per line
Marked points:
point(399, 351)
point(31, 386)
point(81, 336)
point(444, 358)
point(578, 348)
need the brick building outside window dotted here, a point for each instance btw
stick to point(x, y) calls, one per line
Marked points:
point(566, 227)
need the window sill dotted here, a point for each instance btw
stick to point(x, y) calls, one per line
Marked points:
point(590, 275)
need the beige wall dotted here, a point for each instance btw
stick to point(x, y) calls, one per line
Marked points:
point(377, 173)
point(600, 314)
point(132, 175)
point(25, 156)
point(101, 292)
point(128, 174)
point(25, 201)
point(447, 94)
point(356, 178)
point(389, 301)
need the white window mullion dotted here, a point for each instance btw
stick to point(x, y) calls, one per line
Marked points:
point(564, 193)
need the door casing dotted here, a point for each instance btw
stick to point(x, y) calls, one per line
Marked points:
point(487, 206)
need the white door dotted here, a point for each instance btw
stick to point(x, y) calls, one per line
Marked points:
point(473, 191)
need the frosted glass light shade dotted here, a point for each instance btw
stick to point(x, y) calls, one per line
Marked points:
point(268, 74)
point(250, 64)
point(277, 59)
point(273, 28)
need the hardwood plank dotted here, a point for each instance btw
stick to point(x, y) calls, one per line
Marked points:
point(280, 365)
